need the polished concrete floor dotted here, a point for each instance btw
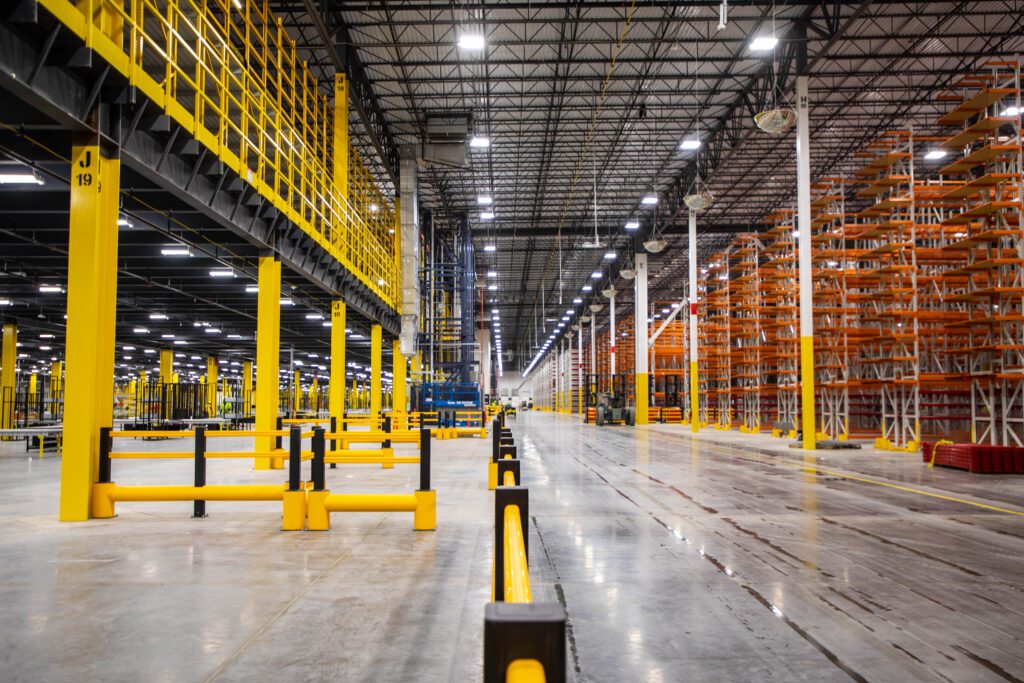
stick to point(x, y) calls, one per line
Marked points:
point(726, 557)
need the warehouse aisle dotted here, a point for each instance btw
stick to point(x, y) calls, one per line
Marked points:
point(675, 560)
point(682, 559)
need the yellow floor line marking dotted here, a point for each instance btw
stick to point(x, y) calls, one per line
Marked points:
point(853, 477)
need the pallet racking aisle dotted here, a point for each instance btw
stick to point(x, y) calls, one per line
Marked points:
point(991, 230)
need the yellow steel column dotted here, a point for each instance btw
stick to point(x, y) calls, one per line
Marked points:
point(211, 385)
point(247, 397)
point(336, 387)
point(7, 374)
point(166, 366)
point(91, 306)
point(56, 377)
point(268, 356)
point(166, 377)
point(376, 353)
point(398, 395)
point(33, 382)
point(296, 394)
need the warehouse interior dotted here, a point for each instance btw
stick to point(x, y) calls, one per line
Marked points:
point(519, 340)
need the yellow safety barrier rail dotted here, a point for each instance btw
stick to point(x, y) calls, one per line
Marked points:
point(106, 493)
point(523, 641)
point(321, 502)
point(227, 72)
point(304, 506)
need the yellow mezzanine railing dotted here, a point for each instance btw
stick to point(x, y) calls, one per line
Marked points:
point(228, 73)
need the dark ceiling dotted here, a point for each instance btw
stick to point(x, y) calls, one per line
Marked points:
point(570, 92)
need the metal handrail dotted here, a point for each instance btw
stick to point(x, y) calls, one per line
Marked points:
point(231, 77)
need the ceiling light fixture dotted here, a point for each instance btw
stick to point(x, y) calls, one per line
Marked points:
point(20, 179)
point(487, 216)
point(176, 251)
point(472, 41)
point(689, 144)
point(632, 225)
point(650, 200)
point(484, 200)
point(763, 43)
point(935, 155)
point(479, 142)
point(222, 272)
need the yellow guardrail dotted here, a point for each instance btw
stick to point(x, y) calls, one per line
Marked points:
point(524, 641)
point(517, 571)
point(228, 73)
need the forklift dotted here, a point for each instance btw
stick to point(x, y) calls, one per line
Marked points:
point(612, 407)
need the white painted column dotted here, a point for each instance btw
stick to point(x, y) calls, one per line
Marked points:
point(803, 195)
point(694, 382)
point(581, 386)
point(641, 332)
point(611, 336)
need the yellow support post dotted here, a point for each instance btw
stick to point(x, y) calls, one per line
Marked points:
point(91, 306)
point(166, 366)
point(56, 378)
point(398, 370)
point(33, 383)
point(296, 394)
point(268, 351)
point(314, 389)
point(7, 376)
point(336, 388)
point(376, 353)
point(247, 385)
point(211, 385)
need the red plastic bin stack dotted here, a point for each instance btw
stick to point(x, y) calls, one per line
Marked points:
point(977, 458)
